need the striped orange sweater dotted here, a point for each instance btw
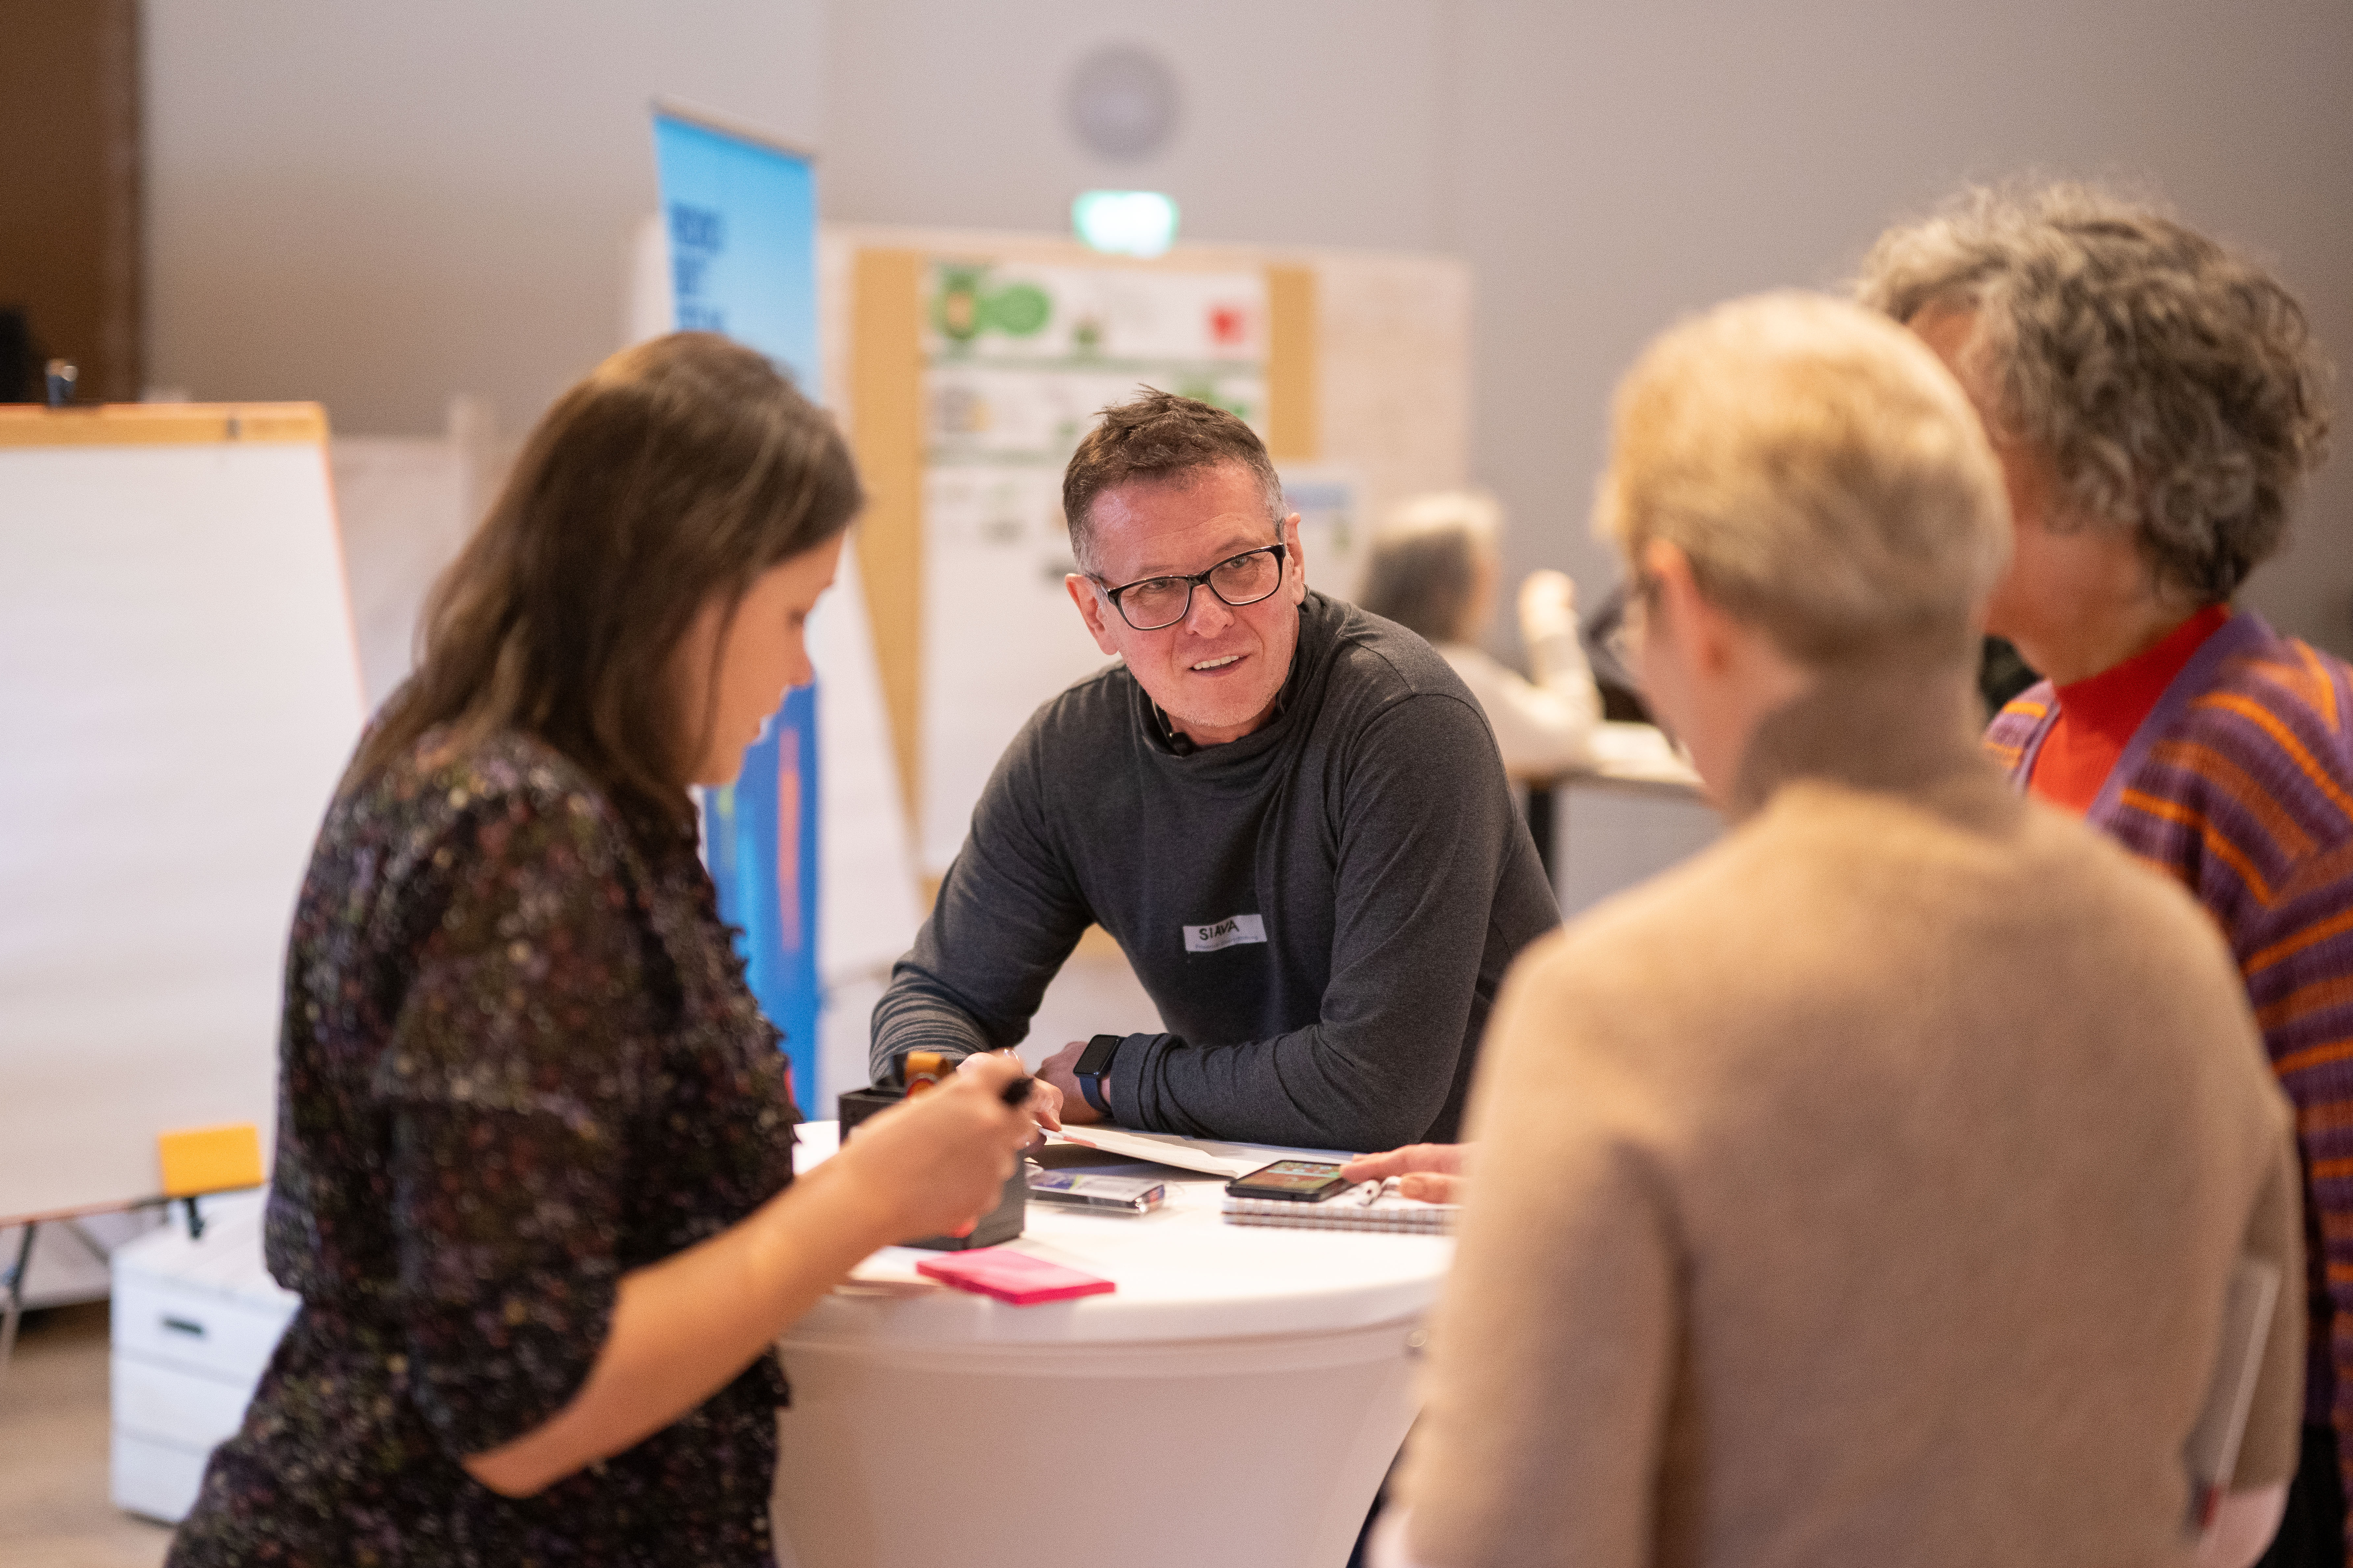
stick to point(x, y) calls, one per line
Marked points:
point(2240, 782)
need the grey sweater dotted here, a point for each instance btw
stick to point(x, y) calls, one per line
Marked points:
point(1321, 910)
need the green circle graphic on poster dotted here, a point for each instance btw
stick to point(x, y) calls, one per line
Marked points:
point(1018, 309)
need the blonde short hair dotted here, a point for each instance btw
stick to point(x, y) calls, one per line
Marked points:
point(1423, 570)
point(1825, 475)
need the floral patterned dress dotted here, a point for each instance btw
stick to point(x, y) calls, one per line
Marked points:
point(518, 1061)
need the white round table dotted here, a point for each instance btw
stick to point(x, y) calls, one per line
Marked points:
point(1235, 1402)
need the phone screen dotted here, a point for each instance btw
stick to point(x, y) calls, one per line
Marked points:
point(1306, 1180)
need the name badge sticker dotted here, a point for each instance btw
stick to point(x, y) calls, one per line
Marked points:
point(1232, 932)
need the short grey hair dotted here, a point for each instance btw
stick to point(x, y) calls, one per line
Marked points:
point(2171, 384)
point(1822, 472)
point(1423, 570)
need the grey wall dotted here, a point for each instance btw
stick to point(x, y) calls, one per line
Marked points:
point(380, 206)
point(1306, 121)
point(384, 205)
point(1619, 165)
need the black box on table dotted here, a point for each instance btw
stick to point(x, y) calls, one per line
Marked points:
point(1002, 1222)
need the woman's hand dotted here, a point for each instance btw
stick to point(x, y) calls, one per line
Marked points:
point(937, 1164)
point(684, 1326)
point(1434, 1173)
point(1045, 1103)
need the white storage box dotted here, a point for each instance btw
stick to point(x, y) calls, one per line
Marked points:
point(194, 1324)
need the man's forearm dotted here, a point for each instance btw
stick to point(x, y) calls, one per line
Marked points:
point(1003, 922)
point(917, 1013)
point(1302, 1089)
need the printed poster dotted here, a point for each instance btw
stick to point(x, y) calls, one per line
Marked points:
point(739, 216)
point(1019, 358)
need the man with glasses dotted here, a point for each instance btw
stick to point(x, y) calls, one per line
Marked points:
point(1290, 813)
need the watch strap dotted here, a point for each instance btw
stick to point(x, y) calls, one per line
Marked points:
point(1090, 1084)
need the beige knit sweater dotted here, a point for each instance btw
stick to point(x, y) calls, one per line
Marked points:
point(1861, 1193)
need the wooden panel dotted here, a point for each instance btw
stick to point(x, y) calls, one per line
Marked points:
point(886, 429)
point(163, 423)
point(1294, 419)
point(69, 246)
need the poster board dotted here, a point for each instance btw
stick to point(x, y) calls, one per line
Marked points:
point(739, 216)
point(179, 689)
point(1017, 357)
point(867, 895)
point(1361, 365)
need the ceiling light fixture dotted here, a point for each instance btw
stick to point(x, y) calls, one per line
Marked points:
point(1125, 222)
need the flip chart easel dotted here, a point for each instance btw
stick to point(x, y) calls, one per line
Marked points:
point(179, 691)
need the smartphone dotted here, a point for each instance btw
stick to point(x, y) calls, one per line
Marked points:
point(1304, 1180)
point(1105, 1194)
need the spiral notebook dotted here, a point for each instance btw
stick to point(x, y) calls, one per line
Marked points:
point(1359, 1208)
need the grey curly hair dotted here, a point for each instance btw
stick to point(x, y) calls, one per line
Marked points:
point(2172, 384)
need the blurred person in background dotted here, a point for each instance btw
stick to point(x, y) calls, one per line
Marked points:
point(2157, 401)
point(1870, 1187)
point(1436, 568)
point(533, 1180)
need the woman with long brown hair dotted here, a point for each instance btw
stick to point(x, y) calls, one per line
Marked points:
point(533, 1180)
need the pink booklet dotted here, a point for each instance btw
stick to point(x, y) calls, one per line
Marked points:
point(1014, 1277)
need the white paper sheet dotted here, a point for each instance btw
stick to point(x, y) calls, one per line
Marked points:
point(179, 691)
point(1204, 1155)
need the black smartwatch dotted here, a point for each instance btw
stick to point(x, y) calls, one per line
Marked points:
point(1094, 1066)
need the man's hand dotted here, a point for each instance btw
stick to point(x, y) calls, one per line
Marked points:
point(1434, 1173)
point(1058, 1073)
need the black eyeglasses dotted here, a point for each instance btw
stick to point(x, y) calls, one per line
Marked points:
point(1615, 626)
point(1150, 604)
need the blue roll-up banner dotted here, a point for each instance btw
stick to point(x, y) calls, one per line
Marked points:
point(740, 214)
